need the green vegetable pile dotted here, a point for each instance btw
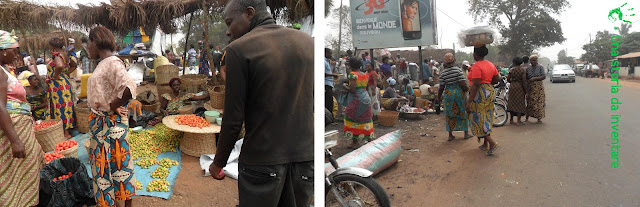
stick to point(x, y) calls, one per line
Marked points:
point(138, 185)
point(158, 185)
point(160, 172)
point(166, 162)
point(152, 142)
point(146, 162)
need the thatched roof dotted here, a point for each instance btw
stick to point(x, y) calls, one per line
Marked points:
point(41, 41)
point(122, 16)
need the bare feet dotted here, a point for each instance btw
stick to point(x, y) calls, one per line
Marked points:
point(67, 135)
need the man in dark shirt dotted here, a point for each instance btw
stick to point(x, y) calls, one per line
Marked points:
point(270, 88)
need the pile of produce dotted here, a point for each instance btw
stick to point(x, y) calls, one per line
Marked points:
point(66, 145)
point(166, 162)
point(138, 185)
point(146, 162)
point(150, 143)
point(63, 177)
point(192, 120)
point(44, 124)
point(409, 109)
point(160, 172)
point(52, 156)
point(158, 185)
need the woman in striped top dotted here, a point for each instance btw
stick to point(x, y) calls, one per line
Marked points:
point(454, 90)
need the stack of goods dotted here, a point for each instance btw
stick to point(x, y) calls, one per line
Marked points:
point(192, 121)
point(62, 177)
point(476, 36)
point(193, 83)
point(44, 124)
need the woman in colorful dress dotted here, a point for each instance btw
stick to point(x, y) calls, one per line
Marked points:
point(110, 88)
point(171, 102)
point(454, 90)
point(21, 156)
point(358, 119)
point(37, 97)
point(59, 89)
point(373, 90)
point(536, 95)
point(482, 76)
point(517, 90)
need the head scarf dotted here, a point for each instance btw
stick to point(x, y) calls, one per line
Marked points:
point(7, 40)
point(391, 82)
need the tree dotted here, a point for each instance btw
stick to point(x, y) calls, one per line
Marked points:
point(528, 25)
point(332, 39)
point(564, 59)
point(462, 56)
point(600, 49)
point(327, 7)
point(630, 43)
point(217, 31)
point(624, 29)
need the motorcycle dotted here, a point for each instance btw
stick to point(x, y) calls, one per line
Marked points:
point(350, 186)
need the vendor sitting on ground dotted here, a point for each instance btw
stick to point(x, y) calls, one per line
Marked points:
point(391, 99)
point(37, 97)
point(171, 102)
point(407, 91)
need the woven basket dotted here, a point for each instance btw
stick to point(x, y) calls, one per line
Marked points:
point(49, 137)
point(193, 83)
point(82, 117)
point(87, 144)
point(71, 152)
point(216, 97)
point(388, 118)
point(152, 107)
point(187, 109)
point(165, 73)
point(198, 144)
point(162, 89)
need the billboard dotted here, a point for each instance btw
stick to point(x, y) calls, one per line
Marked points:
point(393, 23)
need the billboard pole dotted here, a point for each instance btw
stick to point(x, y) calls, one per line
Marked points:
point(372, 60)
point(420, 63)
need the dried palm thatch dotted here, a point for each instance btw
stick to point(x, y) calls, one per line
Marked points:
point(122, 16)
point(41, 41)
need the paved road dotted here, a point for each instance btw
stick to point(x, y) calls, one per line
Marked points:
point(566, 160)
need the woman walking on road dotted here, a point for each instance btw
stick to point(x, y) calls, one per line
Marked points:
point(454, 90)
point(483, 76)
point(536, 95)
point(517, 90)
point(358, 119)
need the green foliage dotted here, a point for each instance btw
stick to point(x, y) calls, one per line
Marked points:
point(331, 39)
point(630, 43)
point(216, 35)
point(600, 49)
point(528, 24)
point(564, 59)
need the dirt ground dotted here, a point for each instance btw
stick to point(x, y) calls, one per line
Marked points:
point(426, 163)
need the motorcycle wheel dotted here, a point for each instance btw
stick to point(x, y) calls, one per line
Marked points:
point(356, 191)
point(500, 115)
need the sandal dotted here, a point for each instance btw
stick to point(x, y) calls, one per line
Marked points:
point(490, 152)
point(482, 148)
point(451, 138)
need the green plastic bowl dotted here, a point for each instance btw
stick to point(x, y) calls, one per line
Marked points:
point(211, 116)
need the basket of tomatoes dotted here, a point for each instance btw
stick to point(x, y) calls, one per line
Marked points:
point(68, 148)
point(49, 133)
point(48, 157)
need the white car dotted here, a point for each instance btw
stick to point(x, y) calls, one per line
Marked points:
point(562, 72)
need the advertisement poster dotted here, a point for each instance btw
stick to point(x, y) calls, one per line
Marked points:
point(393, 23)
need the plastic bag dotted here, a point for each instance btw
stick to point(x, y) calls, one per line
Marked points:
point(146, 98)
point(142, 119)
point(73, 191)
point(476, 36)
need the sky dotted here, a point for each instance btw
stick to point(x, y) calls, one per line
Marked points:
point(577, 21)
